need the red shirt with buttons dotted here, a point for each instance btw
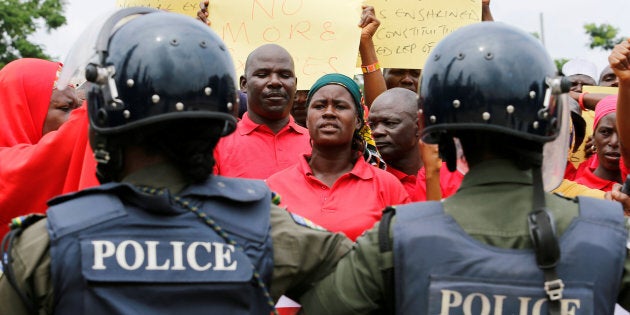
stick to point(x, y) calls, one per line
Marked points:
point(254, 151)
point(352, 205)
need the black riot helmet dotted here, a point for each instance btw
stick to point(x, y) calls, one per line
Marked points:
point(148, 69)
point(490, 76)
point(493, 78)
point(164, 66)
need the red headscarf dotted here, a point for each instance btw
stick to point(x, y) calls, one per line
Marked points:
point(35, 168)
point(26, 86)
point(604, 107)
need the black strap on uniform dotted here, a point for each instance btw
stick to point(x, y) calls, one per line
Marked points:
point(17, 227)
point(545, 243)
point(384, 245)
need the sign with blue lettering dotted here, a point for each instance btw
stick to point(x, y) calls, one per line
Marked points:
point(457, 295)
point(166, 258)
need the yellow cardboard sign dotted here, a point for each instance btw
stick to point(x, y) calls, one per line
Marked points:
point(411, 28)
point(600, 89)
point(322, 36)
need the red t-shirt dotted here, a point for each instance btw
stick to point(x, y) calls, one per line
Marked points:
point(449, 182)
point(570, 171)
point(409, 182)
point(586, 177)
point(254, 151)
point(352, 205)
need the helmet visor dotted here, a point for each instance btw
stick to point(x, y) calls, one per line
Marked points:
point(92, 42)
point(555, 152)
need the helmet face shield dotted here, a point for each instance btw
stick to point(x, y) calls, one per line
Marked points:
point(555, 152)
point(147, 66)
point(86, 50)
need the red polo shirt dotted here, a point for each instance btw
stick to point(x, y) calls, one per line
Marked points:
point(254, 151)
point(416, 186)
point(449, 181)
point(409, 182)
point(586, 177)
point(352, 205)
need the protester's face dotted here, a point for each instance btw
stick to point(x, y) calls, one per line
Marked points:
point(608, 78)
point(580, 80)
point(332, 117)
point(61, 104)
point(298, 111)
point(607, 143)
point(404, 78)
point(395, 131)
point(271, 83)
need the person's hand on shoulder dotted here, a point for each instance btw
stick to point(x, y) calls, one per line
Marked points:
point(202, 14)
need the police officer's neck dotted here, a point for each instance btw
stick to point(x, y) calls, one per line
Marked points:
point(136, 158)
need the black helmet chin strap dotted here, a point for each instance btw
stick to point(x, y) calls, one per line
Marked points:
point(109, 158)
point(545, 243)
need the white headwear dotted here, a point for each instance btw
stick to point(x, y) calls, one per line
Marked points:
point(580, 66)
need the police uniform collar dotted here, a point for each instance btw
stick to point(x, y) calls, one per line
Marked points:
point(496, 171)
point(162, 175)
point(236, 189)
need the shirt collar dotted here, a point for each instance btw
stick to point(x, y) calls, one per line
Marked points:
point(494, 172)
point(247, 126)
point(400, 174)
point(361, 168)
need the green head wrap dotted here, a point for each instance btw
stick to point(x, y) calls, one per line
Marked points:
point(347, 83)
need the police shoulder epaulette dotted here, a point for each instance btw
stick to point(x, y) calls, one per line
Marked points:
point(22, 222)
point(300, 220)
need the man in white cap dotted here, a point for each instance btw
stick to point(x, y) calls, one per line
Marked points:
point(580, 72)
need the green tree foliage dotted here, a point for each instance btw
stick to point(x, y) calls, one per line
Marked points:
point(603, 36)
point(21, 18)
point(559, 63)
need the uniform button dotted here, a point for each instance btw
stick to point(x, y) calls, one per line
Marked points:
point(221, 184)
point(251, 191)
point(324, 187)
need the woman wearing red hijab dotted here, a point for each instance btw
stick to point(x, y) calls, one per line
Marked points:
point(602, 171)
point(42, 144)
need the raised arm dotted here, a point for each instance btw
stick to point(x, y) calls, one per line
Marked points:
point(619, 60)
point(373, 80)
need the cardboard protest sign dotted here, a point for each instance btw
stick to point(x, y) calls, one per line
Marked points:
point(322, 36)
point(411, 28)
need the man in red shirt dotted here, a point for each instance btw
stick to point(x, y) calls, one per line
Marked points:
point(393, 119)
point(267, 139)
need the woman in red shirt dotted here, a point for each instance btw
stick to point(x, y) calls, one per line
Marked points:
point(602, 171)
point(334, 186)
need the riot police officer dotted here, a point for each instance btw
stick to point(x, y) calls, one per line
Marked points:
point(160, 235)
point(501, 244)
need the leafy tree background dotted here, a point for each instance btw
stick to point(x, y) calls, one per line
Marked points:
point(19, 19)
point(604, 36)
